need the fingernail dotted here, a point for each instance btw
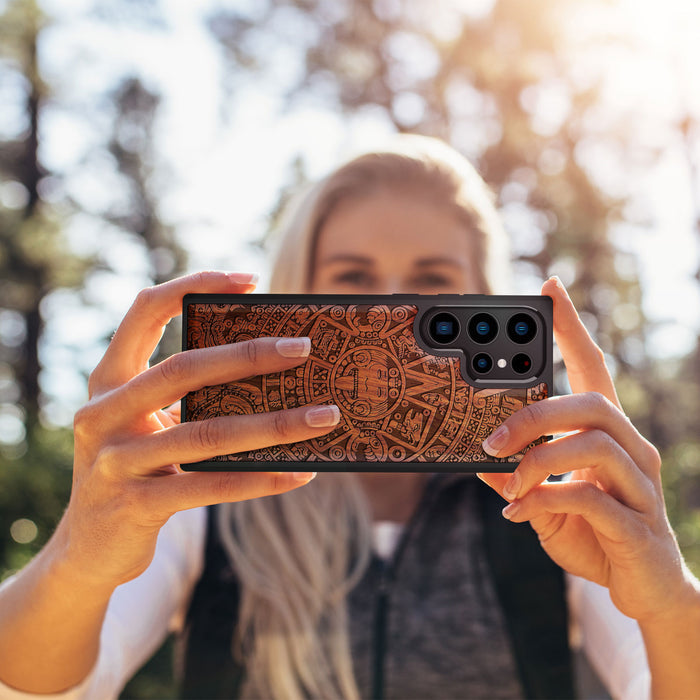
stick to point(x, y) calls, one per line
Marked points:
point(243, 277)
point(511, 510)
point(512, 488)
point(495, 441)
point(322, 416)
point(293, 347)
point(480, 476)
point(303, 476)
point(557, 281)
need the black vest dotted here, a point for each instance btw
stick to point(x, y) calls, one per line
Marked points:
point(530, 589)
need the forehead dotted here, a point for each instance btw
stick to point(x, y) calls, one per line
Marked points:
point(392, 227)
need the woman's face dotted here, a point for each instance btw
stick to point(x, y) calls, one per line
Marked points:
point(393, 243)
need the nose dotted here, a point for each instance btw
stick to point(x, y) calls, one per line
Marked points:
point(394, 285)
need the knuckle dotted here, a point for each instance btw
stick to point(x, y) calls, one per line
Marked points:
point(94, 381)
point(87, 420)
point(598, 402)
point(251, 351)
point(177, 368)
point(588, 495)
point(594, 359)
point(606, 445)
point(598, 355)
point(653, 457)
point(279, 427)
point(81, 419)
point(206, 435)
point(533, 416)
point(198, 279)
point(144, 299)
point(226, 486)
point(108, 462)
point(230, 486)
point(534, 459)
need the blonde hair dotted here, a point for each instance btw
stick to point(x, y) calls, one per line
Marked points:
point(418, 165)
point(297, 555)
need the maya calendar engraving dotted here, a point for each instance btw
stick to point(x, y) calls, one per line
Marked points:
point(398, 403)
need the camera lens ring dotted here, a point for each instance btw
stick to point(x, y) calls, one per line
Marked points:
point(482, 363)
point(444, 328)
point(521, 363)
point(522, 328)
point(483, 328)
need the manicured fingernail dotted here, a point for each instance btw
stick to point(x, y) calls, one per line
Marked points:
point(511, 510)
point(303, 476)
point(243, 277)
point(512, 488)
point(322, 416)
point(480, 476)
point(495, 441)
point(293, 347)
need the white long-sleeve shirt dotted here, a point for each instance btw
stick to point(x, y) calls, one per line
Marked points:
point(142, 612)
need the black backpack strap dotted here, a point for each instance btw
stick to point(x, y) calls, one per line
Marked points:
point(531, 591)
point(205, 663)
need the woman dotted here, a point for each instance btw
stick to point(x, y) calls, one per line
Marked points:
point(416, 220)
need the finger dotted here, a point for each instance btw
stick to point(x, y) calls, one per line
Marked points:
point(142, 327)
point(172, 414)
point(607, 516)
point(564, 414)
point(176, 492)
point(496, 480)
point(202, 440)
point(592, 450)
point(584, 360)
point(187, 371)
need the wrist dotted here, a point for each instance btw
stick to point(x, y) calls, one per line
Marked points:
point(70, 564)
point(681, 610)
point(672, 642)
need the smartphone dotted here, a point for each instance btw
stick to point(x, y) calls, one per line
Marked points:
point(420, 380)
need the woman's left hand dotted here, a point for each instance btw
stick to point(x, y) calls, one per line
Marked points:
point(608, 523)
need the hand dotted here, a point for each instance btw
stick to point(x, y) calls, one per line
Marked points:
point(126, 480)
point(608, 523)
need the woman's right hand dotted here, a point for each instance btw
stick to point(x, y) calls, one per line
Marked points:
point(126, 478)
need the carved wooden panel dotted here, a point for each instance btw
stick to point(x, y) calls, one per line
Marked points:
point(398, 403)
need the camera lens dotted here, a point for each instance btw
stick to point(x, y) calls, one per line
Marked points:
point(482, 363)
point(482, 328)
point(522, 363)
point(522, 328)
point(444, 328)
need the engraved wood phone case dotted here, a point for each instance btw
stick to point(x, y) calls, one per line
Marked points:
point(403, 407)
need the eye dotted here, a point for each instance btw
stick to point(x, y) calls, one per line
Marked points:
point(358, 278)
point(433, 280)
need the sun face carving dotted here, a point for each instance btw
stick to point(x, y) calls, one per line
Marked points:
point(367, 383)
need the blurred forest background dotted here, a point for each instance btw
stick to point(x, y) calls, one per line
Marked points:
point(585, 122)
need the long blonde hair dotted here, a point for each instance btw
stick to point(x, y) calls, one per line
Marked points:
point(298, 554)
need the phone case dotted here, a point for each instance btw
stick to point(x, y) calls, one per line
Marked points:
point(405, 406)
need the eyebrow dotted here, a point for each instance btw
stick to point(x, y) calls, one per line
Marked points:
point(362, 260)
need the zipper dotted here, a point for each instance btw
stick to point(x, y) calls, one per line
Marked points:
point(379, 636)
point(386, 572)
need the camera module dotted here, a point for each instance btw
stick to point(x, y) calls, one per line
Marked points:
point(482, 363)
point(521, 363)
point(444, 328)
point(522, 328)
point(482, 328)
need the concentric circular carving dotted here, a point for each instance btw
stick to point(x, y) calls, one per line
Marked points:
point(366, 383)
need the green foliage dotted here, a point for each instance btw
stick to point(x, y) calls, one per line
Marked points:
point(484, 82)
point(35, 480)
